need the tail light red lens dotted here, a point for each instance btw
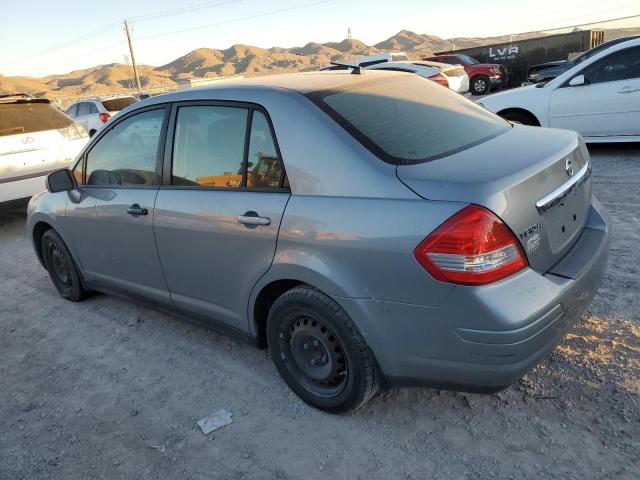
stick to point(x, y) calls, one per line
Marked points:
point(104, 117)
point(474, 247)
point(439, 79)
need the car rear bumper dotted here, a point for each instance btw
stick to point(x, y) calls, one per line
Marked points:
point(21, 187)
point(485, 338)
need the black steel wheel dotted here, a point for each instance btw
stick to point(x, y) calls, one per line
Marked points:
point(62, 270)
point(319, 352)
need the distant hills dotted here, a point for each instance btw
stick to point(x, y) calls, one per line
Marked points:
point(243, 60)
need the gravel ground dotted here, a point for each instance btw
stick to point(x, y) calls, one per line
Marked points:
point(108, 389)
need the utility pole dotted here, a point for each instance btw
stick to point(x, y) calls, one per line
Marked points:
point(133, 58)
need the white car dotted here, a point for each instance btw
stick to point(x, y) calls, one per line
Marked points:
point(92, 113)
point(452, 76)
point(598, 98)
point(35, 139)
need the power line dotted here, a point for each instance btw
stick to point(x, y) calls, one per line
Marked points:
point(181, 10)
point(580, 24)
point(546, 14)
point(241, 19)
point(65, 44)
point(85, 54)
point(588, 15)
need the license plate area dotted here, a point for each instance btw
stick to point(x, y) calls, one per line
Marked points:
point(566, 218)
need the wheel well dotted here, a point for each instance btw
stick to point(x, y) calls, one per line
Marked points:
point(38, 232)
point(521, 111)
point(265, 299)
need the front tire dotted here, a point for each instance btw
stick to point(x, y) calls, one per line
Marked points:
point(522, 118)
point(62, 270)
point(319, 352)
point(480, 85)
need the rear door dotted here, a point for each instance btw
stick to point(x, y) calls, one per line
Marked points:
point(111, 220)
point(609, 102)
point(217, 217)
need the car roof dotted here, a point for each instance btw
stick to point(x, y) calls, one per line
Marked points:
point(295, 82)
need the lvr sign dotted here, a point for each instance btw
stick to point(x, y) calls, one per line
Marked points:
point(506, 52)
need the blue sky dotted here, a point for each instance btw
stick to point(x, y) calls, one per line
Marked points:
point(42, 37)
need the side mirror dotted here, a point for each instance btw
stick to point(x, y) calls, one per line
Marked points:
point(61, 181)
point(577, 81)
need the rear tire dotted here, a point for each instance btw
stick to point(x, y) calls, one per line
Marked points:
point(480, 85)
point(61, 268)
point(319, 352)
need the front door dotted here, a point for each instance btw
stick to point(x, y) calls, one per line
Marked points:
point(217, 222)
point(111, 220)
point(608, 104)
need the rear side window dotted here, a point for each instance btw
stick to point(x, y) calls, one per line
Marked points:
point(72, 110)
point(27, 117)
point(409, 119)
point(208, 146)
point(263, 168)
point(117, 104)
point(127, 154)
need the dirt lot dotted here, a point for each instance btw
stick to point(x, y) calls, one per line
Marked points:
point(108, 389)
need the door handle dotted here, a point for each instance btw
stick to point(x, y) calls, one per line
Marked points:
point(629, 90)
point(252, 218)
point(136, 210)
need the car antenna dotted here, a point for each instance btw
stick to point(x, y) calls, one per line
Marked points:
point(356, 69)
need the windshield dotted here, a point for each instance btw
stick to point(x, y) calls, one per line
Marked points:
point(467, 59)
point(117, 104)
point(408, 119)
point(26, 117)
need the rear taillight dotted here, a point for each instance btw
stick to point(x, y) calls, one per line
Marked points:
point(474, 247)
point(439, 79)
point(104, 117)
point(73, 131)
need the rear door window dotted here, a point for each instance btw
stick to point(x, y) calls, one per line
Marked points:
point(30, 117)
point(127, 155)
point(208, 149)
point(407, 119)
point(72, 110)
point(620, 65)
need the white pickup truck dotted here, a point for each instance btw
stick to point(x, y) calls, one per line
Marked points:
point(35, 139)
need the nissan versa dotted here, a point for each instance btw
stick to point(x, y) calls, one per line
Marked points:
point(370, 229)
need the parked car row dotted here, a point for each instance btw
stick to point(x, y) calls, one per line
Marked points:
point(598, 97)
point(483, 77)
point(450, 76)
point(92, 113)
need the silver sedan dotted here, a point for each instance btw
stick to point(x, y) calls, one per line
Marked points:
point(370, 229)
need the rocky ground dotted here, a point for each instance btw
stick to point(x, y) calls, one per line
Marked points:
point(108, 389)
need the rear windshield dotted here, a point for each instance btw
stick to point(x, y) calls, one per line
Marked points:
point(117, 104)
point(17, 118)
point(407, 119)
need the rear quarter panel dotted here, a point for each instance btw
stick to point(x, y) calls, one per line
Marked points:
point(359, 247)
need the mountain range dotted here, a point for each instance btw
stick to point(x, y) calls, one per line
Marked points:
point(242, 60)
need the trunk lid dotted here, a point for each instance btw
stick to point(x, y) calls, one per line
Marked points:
point(536, 180)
